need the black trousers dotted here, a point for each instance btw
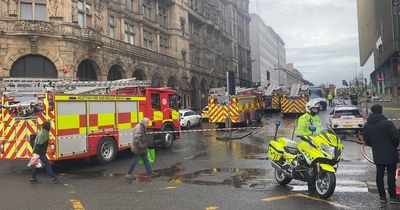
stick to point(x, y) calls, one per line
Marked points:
point(391, 179)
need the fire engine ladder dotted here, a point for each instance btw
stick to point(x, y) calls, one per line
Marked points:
point(270, 89)
point(294, 92)
point(98, 87)
point(30, 86)
point(26, 86)
point(219, 94)
point(241, 89)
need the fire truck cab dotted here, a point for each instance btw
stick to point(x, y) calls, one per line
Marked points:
point(88, 119)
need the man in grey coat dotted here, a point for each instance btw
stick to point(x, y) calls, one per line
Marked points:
point(139, 147)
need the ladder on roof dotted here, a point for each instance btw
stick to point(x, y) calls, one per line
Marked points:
point(270, 89)
point(304, 87)
point(242, 89)
point(217, 91)
point(294, 92)
point(34, 86)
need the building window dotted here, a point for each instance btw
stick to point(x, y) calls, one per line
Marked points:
point(84, 14)
point(164, 43)
point(33, 11)
point(129, 4)
point(146, 9)
point(148, 40)
point(129, 35)
point(111, 26)
point(26, 11)
point(163, 16)
point(235, 51)
point(155, 101)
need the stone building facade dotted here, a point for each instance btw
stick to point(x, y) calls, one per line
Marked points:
point(187, 45)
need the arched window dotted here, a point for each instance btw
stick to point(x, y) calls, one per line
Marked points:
point(35, 66)
point(86, 71)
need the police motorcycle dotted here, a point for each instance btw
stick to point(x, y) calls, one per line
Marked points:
point(314, 160)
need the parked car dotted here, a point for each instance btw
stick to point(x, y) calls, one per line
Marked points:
point(376, 98)
point(387, 99)
point(204, 114)
point(346, 118)
point(189, 118)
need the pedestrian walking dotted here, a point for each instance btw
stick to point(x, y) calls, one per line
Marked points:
point(139, 147)
point(40, 148)
point(382, 135)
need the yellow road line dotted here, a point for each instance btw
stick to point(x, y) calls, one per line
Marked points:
point(392, 109)
point(77, 204)
point(276, 198)
point(170, 188)
point(322, 200)
point(211, 208)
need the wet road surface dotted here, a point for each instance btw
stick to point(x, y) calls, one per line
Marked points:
point(200, 172)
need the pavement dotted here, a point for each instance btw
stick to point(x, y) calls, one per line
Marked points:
point(199, 172)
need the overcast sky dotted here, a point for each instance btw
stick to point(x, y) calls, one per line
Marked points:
point(321, 36)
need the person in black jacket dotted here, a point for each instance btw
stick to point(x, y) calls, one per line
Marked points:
point(382, 135)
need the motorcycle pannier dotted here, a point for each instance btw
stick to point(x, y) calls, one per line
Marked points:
point(275, 151)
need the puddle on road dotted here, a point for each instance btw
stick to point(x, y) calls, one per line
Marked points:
point(253, 157)
point(94, 174)
point(20, 171)
point(236, 177)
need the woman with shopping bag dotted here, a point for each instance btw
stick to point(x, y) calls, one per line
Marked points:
point(39, 149)
point(139, 147)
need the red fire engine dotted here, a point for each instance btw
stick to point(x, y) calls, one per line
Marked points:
point(245, 106)
point(87, 118)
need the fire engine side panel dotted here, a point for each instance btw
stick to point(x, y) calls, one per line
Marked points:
point(72, 128)
point(128, 115)
point(101, 116)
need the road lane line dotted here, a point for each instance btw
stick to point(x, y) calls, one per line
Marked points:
point(337, 205)
point(211, 208)
point(391, 109)
point(77, 204)
point(276, 198)
point(170, 188)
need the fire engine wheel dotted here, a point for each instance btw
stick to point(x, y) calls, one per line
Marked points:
point(168, 139)
point(106, 150)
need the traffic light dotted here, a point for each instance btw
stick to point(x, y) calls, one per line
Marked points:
point(230, 80)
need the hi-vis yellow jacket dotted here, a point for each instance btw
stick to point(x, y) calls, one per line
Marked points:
point(307, 120)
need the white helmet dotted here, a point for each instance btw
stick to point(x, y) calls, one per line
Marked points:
point(312, 104)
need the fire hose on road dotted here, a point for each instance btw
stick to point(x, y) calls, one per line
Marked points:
point(360, 140)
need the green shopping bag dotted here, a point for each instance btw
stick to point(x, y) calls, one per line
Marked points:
point(151, 155)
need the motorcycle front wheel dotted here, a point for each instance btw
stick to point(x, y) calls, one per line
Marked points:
point(281, 178)
point(325, 184)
